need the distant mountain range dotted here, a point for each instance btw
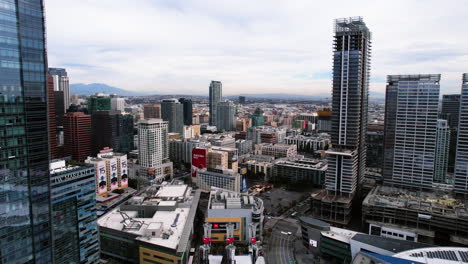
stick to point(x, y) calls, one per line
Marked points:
point(92, 88)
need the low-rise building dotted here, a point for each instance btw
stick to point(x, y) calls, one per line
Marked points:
point(244, 146)
point(277, 150)
point(311, 143)
point(303, 171)
point(225, 179)
point(242, 210)
point(155, 227)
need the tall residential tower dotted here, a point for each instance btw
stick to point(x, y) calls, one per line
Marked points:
point(351, 69)
point(216, 94)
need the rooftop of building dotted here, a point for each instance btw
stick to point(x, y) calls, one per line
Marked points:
point(320, 136)
point(436, 255)
point(304, 163)
point(59, 166)
point(152, 121)
point(434, 202)
point(388, 244)
point(413, 78)
point(368, 257)
point(172, 210)
point(465, 78)
point(277, 146)
point(225, 199)
point(339, 234)
point(215, 172)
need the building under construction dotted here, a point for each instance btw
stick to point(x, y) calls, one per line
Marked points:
point(331, 207)
point(430, 217)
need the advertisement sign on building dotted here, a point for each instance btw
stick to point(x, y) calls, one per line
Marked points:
point(123, 172)
point(198, 160)
point(114, 184)
point(101, 177)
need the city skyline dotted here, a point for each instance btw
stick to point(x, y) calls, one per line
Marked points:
point(267, 49)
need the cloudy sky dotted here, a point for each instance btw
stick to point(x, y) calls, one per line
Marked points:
point(252, 46)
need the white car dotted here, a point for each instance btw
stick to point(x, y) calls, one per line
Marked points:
point(289, 233)
point(284, 233)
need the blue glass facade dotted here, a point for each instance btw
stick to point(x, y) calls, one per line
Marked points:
point(75, 234)
point(25, 224)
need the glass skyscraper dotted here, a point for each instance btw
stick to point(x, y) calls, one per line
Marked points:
point(216, 94)
point(25, 224)
point(461, 163)
point(351, 70)
point(411, 111)
point(172, 111)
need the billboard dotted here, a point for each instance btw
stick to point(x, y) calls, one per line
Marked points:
point(114, 183)
point(123, 172)
point(101, 177)
point(198, 160)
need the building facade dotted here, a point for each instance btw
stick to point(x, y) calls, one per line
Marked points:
point(188, 110)
point(118, 104)
point(277, 150)
point(112, 129)
point(224, 179)
point(52, 123)
point(216, 95)
point(77, 133)
point(74, 213)
point(226, 116)
point(411, 112)
point(61, 84)
point(153, 150)
point(172, 111)
point(300, 171)
point(152, 111)
point(441, 151)
point(98, 102)
point(461, 162)
point(24, 158)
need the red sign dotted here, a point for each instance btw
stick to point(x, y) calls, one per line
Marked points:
point(198, 160)
point(253, 240)
point(230, 240)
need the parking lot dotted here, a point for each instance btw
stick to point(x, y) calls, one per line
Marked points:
point(278, 200)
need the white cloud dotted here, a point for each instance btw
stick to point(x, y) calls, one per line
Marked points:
point(178, 46)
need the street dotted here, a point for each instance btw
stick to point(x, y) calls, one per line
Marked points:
point(281, 245)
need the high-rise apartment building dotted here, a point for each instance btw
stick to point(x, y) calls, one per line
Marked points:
point(441, 151)
point(98, 102)
point(461, 163)
point(112, 129)
point(152, 111)
point(450, 112)
point(216, 95)
point(188, 109)
point(77, 133)
point(411, 111)
point(153, 149)
point(226, 116)
point(25, 224)
point(172, 111)
point(75, 238)
point(351, 70)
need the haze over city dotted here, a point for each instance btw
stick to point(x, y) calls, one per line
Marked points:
point(164, 47)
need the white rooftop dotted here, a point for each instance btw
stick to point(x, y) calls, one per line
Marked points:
point(172, 191)
point(339, 234)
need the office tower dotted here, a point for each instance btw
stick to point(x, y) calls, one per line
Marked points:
point(152, 111)
point(75, 232)
point(77, 132)
point(98, 102)
point(450, 112)
point(173, 112)
point(53, 139)
point(187, 104)
point(117, 104)
point(61, 84)
point(411, 111)
point(24, 156)
point(74, 99)
point(241, 99)
point(461, 162)
point(216, 94)
point(112, 129)
point(351, 67)
point(226, 116)
point(441, 151)
point(153, 149)
point(257, 118)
